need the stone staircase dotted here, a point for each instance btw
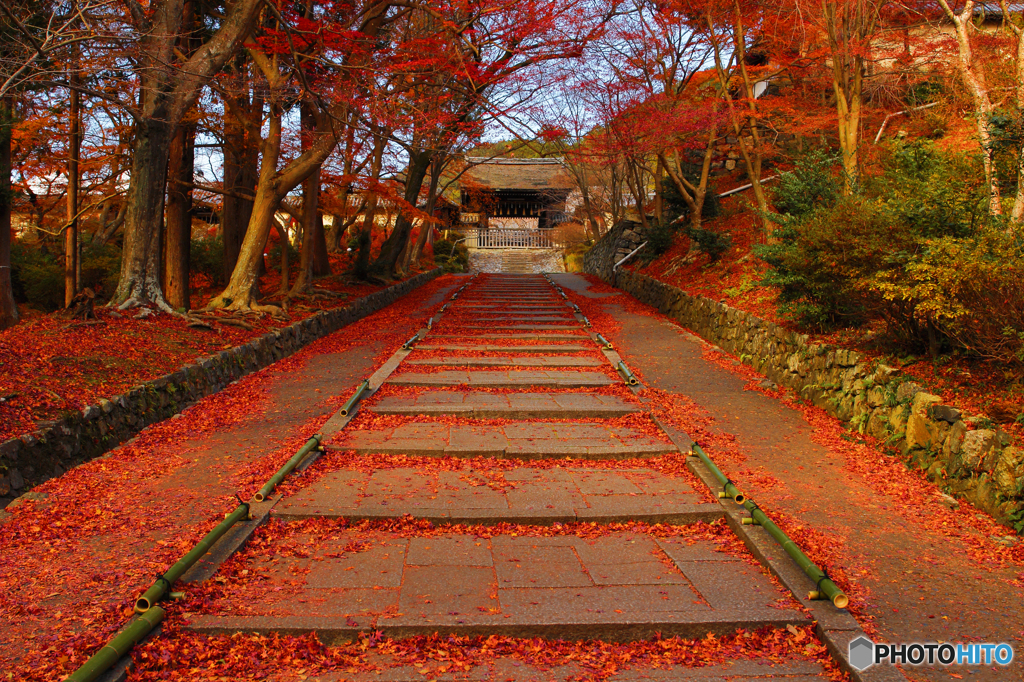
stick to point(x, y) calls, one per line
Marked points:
point(516, 261)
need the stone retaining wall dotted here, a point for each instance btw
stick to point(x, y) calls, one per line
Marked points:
point(967, 454)
point(57, 446)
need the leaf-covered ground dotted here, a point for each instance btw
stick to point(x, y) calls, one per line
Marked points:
point(51, 366)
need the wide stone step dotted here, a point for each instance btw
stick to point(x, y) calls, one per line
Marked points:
point(579, 335)
point(523, 495)
point(507, 405)
point(499, 361)
point(500, 379)
point(620, 587)
point(550, 348)
point(524, 440)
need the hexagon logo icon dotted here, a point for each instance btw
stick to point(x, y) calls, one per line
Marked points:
point(862, 653)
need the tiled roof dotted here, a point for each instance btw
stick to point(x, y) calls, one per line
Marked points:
point(529, 174)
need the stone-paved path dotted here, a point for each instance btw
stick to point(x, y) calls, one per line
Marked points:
point(535, 579)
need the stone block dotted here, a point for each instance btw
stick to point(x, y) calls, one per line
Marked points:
point(922, 432)
point(978, 451)
point(945, 413)
point(1009, 472)
point(906, 390)
point(878, 423)
point(876, 396)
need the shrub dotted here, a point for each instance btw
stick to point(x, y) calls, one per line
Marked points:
point(206, 257)
point(968, 291)
point(451, 254)
point(710, 242)
point(810, 186)
point(818, 263)
point(37, 276)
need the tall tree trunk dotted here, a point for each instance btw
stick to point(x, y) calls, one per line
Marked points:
point(436, 168)
point(169, 87)
point(8, 310)
point(310, 210)
point(178, 239)
point(419, 162)
point(242, 120)
point(140, 281)
point(241, 292)
point(74, 179)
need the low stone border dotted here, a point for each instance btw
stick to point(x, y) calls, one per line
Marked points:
point(48, 452)
point(968, 454)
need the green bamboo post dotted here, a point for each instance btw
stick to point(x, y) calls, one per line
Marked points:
point(729, 490)
point(626, 374)
point(408, 344)
point(605, 343)
point(825, 586)
point(117, 647)
point(346, 409)
point(264, 492)
point(163, 584)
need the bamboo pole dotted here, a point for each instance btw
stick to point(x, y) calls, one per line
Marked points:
point(824, 585)
point(626, 374)
point(346, 409)
point(408, 344)
point(163, 584)
point(311, 444)
point(118, 646)
point(605, 343)
point(730, 490)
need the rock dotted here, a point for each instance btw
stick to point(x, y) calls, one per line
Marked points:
point(1009, 472)
point(945, 413)
point(947, 501)
point(878, 423)
point(922, 432)
point(5, 485)
point(17, 480)
point(906, 390)
point(883, 373)
point(977, 450)
point(954, 442)
point(898, 419)
point(769, 385)
point(876, 396)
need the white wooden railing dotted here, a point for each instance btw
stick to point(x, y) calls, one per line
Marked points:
point(510, 239)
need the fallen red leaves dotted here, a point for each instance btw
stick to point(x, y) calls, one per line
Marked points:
point(81, 555)
point(49, 366)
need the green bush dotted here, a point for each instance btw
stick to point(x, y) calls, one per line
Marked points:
point(37, 276)
point(818, 263)
point(710, 242)
point(206, 257)
point(38, 273)
point(810, 186)
point(451, 254)
point(101, 268)
point(916, 248)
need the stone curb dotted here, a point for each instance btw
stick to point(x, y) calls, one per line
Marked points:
point(35, 457)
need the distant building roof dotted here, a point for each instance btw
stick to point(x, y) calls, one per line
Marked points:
point(524, 174)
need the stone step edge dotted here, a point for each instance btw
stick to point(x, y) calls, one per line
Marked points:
point(332, 631)
point(681, 515)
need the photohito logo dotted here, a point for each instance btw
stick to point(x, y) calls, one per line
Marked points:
point(864, 653)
